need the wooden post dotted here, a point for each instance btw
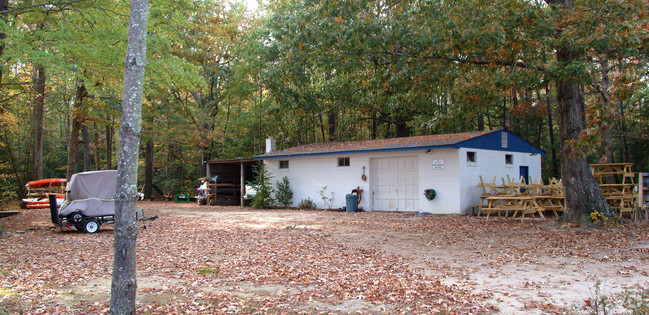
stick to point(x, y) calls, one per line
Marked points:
point(243, 184)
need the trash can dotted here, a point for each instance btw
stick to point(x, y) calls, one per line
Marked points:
point(352, 202)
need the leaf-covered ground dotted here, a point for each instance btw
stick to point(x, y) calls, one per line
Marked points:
point(202, 259)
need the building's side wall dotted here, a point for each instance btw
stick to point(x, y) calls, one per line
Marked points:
point(439, 170)
point(490, 164)
point(309, 175)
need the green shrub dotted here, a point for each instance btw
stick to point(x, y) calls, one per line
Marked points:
point(263, 177)
point(306, 204)
point(284, 194)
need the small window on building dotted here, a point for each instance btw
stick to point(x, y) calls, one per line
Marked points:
point(503, 139)
point(344, 161)
point(509, 159)
point(471, 157)
point(283, 164)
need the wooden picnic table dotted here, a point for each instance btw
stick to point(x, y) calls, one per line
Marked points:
point(602, 170)
point(617, 189)
point(512, 203)
point(554, 203)
point(519, 197)
point(620, 197)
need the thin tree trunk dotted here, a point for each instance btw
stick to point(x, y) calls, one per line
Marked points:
point(148, 170)
point(625, 144)
point(607, 125)
point(504, 113)
point(20, 187)
point(4, 7)
point(331, 125)
point(322, 129)
point(87, 156)
point(96, 148)
point(124, 282)
point(39, 105)
point(553, 147)
point(514, 122)
point(109, 145)
point(374, 126)
point(77, 120)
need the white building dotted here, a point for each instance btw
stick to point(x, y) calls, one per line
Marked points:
point(393, 173)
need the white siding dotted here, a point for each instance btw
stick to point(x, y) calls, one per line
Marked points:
point(308, 175)
point(443, 177)
point(490, 164)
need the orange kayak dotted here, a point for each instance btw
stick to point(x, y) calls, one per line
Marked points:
point(47, 182)
point(43, 203)
point(38, 206)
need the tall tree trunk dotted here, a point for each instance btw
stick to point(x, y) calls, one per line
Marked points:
point(77, 119)
point(582, 192)
point(87, 156)
point(39, 105)
point(124, 282)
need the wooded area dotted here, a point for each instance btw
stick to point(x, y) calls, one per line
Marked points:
point(568, 76)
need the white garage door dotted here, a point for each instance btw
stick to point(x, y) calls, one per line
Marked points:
point(395, 184)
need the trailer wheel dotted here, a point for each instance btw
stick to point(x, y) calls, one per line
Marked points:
point(76, 218)
point(91, 226)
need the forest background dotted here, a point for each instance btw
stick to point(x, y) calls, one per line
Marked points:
point(220, 79)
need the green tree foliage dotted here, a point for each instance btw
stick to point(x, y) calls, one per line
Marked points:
point(439, 66)
point(283, 192)
point(264, 186)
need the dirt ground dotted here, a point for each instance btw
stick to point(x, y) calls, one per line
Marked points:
point(203, 259)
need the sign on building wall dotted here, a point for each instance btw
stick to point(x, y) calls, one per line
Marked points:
point(438, 164)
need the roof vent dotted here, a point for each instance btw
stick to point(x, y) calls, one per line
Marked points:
point(270, 144)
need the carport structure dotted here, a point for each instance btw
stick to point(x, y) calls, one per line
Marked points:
point(227, 180)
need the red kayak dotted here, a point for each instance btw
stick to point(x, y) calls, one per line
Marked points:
point(48, 182)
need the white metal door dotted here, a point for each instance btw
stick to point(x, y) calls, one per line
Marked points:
point(395, 184)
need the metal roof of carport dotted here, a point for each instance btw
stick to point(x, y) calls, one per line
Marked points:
point(477, 140)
